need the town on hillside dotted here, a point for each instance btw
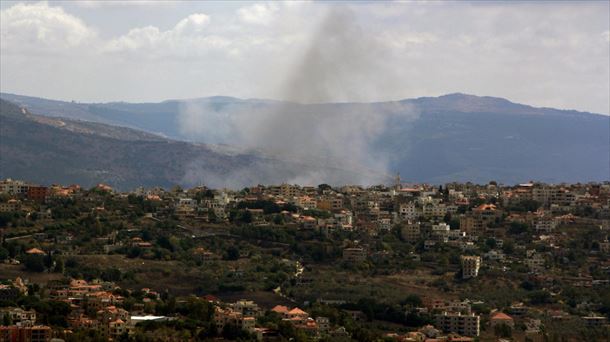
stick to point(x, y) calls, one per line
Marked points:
point(401, 262)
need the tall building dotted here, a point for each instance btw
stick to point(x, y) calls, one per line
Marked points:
point(470, 266)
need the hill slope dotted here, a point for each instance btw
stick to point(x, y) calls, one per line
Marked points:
point(42, 150)
point(455, 137)
point(56, 150)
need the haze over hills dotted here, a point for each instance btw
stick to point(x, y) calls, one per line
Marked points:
point(455, 137)
point(48, 150)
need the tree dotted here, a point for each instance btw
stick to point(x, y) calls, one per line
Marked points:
point(278, 219)
point(212, 216)
point(6, 320)
point(517, 228)
point(412, 300)
point(232, 253)
point(503, 330)
point(59, 265)
point(4, 254)
point(539, 297)
point(322, 187)
point(233, 332)
point(34, 263)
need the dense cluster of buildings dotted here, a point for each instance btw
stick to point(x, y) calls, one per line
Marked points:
point(459, 216)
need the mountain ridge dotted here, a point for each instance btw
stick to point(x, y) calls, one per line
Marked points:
point(455, 137)
point(223, 98)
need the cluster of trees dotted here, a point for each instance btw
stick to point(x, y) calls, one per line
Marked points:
point(269, 207)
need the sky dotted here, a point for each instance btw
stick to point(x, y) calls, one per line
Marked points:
point(547, 54)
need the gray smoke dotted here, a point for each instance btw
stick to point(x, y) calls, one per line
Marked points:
point(309, 140)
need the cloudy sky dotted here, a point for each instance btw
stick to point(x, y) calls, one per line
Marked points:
point(553, 54)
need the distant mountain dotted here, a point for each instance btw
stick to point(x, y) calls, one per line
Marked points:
point(456, 137)
point(50, 150)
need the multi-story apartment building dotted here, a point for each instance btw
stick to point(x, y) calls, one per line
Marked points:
point(408, 211)
point(434, 210)
point(334, 203)
point(10, 205)
point(456, 322)
point(289, 190)
point(440, 232)
point(13, 187)
point(14, 333)
point(545, 225)
point(549, 195)
point(37, 193)
point(410, 231)
point(19, 316)
point(470, 266)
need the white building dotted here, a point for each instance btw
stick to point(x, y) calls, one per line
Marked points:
point(463, 324)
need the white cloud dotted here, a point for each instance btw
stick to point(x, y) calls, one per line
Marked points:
point(551, 54)
point(187, 38)
point(38, 26)
point(260, 13)
point(193, 24)
point(95, 4)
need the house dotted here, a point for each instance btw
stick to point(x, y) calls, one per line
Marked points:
point(35, 251)
point(280, 309)
point(224, 316)
point(297, 315)
point(500, 318)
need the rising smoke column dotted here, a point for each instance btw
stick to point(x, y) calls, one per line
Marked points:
point(322, 142)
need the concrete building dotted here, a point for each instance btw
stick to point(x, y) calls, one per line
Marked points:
point(408, 211)
point(13, 187)
point(410, 231)
point(463, 324)
point(14, 333)
point(19, 316)
point(354, 255)
point(470, 266)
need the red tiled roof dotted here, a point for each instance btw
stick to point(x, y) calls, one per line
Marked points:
point(280, 309)
point(34, 251)
point(297, 311)
point(501, 316)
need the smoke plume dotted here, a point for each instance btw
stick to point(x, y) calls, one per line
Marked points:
point(308, 139)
